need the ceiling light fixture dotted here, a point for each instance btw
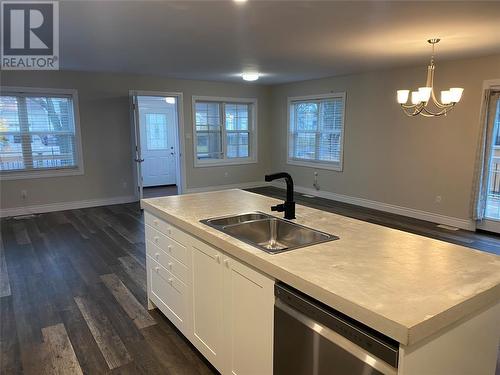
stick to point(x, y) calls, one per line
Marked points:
point(170, 100)
point(421, 98)
point(250, 76)
point(240, 1)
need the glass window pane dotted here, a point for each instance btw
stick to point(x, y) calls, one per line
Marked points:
point(207, 116)
point(237, 145)
point(329, 147)
point(236, 116)
point(307, 116)
point(53, 151)
point(208, 145)
point(49, 114)
point(493, 196)
point(305, 145)
point(156, 131)
point(9, 119)
point(11, 154)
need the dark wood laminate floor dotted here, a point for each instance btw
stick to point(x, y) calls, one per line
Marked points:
point(73, 291)
point(73, 298)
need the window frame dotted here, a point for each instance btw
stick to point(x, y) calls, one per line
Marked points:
point(319, 164)
point(252, 131)
point(49, 172)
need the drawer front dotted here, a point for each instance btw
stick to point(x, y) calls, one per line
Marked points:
point(170, 263)
point(167, 229)
point(168, 293)
point(167, 244)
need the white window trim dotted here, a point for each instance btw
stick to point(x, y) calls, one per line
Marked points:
point(28, 174)
point(253, 144)
point(311, 163)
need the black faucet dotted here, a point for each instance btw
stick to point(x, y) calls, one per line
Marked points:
point(289, 205)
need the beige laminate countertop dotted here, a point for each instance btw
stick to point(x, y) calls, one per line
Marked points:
point(403, 285)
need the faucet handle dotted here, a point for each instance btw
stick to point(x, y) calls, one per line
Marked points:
point(278, 207)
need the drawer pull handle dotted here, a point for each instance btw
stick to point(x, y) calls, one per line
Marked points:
point(217, 258)
point(155, 222)
point(156, 238)
point(170, 281)
point(157, 255)
point(169, 231)
point(169, 248)
point(170, 265)
point(226, 262)
point(157, 269)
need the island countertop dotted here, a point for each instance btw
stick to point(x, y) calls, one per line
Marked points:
point(405, 286)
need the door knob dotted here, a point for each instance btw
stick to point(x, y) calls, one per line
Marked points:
point(139, 160)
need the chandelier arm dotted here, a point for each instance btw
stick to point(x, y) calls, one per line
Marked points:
point(444, 111)
point(417, 109)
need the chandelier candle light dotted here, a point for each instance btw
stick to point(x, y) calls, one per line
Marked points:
point(420, 99)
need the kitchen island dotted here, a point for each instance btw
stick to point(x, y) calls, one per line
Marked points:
point(439, 301)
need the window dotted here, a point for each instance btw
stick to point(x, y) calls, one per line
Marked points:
point(316, 131)
point(38, 133)
point(225, 130)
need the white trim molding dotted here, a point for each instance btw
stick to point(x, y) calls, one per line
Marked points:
point(62, 206)
point(386, 207)
point(243, 185)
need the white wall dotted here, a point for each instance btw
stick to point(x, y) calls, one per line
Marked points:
point(389, 157)
point(105, 128)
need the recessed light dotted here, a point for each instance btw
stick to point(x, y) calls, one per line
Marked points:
point(170, 100)
point(240, 1)
point(250, 76)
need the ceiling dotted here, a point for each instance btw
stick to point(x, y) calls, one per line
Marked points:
point(285, 40)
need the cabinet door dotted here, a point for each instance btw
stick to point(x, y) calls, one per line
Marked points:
point(249, 312)
point(207, 308)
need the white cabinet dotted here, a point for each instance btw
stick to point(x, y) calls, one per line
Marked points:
point(248, 323)
point(224, 307)
point(207, 306)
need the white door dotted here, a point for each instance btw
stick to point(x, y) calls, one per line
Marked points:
point(249, 320)
point(208, 332)
point(158, 147)
point(137, 143)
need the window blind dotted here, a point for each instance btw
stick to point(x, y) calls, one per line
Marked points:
point(37, 132)
point(316, 130)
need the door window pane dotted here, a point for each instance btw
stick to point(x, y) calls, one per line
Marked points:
point(156, 131)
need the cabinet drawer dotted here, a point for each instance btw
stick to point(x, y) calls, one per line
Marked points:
point(170, 263)
point(167, 244)
point(168, 293)
point(167, 229)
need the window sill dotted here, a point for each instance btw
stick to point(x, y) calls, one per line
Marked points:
point(21, 175)
point(221, 163)
point(316, 165)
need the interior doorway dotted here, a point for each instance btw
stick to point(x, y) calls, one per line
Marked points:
point(157, 143)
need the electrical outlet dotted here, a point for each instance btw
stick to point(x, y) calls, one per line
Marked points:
point(124, 184)
point(24, 194)
point(226, 174)
point(438, 199)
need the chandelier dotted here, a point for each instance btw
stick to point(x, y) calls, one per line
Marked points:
point(421, 98)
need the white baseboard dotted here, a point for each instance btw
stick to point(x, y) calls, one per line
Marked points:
point(386, 207)
point(38, 209)
point(243, 185)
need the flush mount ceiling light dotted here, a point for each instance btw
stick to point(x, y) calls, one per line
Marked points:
point(421, 98)
point(170, 100)
point(250, 76)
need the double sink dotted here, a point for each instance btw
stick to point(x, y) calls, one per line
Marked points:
point(268, 233)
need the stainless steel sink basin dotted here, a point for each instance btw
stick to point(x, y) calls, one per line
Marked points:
point(267, 232)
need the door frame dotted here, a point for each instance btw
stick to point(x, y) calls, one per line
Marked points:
point(180, 160)
point(488, 224)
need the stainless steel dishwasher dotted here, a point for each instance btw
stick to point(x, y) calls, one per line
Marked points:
point(312, 339)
